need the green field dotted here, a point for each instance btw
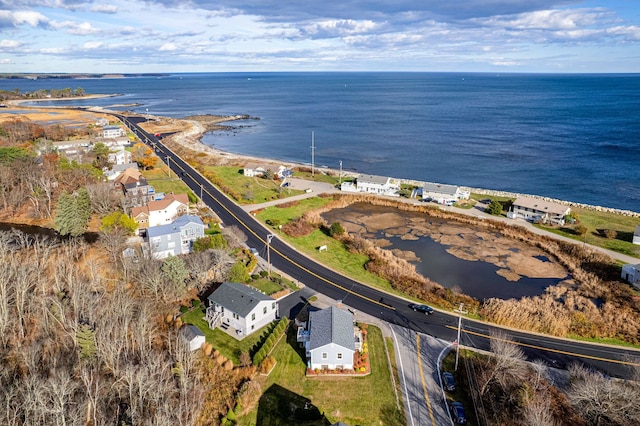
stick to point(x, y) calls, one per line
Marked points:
point(159, 178)
point(367, 400)
point(284, 215)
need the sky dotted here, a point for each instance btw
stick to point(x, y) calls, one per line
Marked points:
point(132, 36)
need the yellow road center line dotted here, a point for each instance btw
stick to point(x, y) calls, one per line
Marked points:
point(424, 385)
point(558, 351)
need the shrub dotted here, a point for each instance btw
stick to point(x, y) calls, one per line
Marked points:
point(610, 233)
point(336, 229)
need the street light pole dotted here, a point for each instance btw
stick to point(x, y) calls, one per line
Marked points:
point(269, 238)
point(169, 165)
point(460, 311)
point(340, 172)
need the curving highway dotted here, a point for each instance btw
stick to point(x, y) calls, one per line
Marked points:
point(615, 361)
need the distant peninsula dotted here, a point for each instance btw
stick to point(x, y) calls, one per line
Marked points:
point(74, 76)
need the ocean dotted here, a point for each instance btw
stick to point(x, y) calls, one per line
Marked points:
point(572, 137)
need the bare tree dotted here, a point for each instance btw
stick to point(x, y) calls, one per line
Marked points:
point(506, 364)
point(234, 236)
point(104, 198)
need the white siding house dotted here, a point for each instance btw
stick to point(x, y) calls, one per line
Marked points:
point(192, 336)
point(121, 156)
point(109, 132)
point(239, 308)
point(636, 235)
point(377, 185)
point(537, 209)
point(330, 339)
point(443, 194)
point(631, 273)
point(161, 212)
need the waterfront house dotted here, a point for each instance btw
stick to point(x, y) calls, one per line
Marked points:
point(174, 238)
point(330, 339)
point(631, 274)
point(636, 235)
point(443, 194)
point(161, 212)
point(192, 336)
point(109, 132)
point(240, 309)
point(283, 172)
point(370, 184)
point(253, 170)
point(535, 209)
point(101, 122)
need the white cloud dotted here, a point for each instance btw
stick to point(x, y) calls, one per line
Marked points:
point(6, 61)
point(92, 45)
point(168, 47)
point(28, 17)
point(104, 8)
point(10, 44)
point(53, 50)
point(631, 32)
point(84, 28)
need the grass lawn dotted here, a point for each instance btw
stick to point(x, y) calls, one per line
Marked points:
point(599, 221)
point(257, 190)
point(227, 345)
point(266, 286)
point(478, 197)
point(284, 215)
point(367, 400)
point(318, 177)
point(158, 177)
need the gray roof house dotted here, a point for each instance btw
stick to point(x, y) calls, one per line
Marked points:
point(240, 309)
point(377, 185)
point(174, 238)
point(330, 339)
point(442, 193)
point(539, 209)
point(192, 336)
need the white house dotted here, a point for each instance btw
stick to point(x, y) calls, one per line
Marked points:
point(538, 209)
point(174, 238)
point(101, 122)
point(330, 339)
point(636, 235)
point(631, 273)
point(283, 172)
point(112, 132)
point(240, 309)
point(161, 212)
point(192, 336)
point(253, 170)
point(443, 194)
point(121, 156)
point(377, 185)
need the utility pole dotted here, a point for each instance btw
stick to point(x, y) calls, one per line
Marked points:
point(313, 153)
point(340, 172)
point(459, 311)
point(200, 192)
point(169, 165)
point(269, 238)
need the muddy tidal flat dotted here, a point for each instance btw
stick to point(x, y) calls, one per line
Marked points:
point(471, 260)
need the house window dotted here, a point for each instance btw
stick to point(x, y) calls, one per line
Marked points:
point(339, 355)
point(171, 245)
point(273, 306)
point(324, 355)
point(264, 310)
point(236, 316)
point(253, 326)
point(253, 317)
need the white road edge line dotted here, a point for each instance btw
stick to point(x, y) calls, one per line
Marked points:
point(404, 380)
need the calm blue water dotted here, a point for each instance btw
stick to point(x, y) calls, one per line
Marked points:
point(573, 137)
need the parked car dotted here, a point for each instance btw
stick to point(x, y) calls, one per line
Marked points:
point(448, 381)
point(457, 412)
point(254, 251)
point(427, 310)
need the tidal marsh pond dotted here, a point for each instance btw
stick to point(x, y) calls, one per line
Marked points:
point(471, 260)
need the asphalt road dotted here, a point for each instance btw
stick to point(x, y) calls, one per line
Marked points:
point(557, 352)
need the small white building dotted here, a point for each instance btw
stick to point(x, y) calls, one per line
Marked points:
point(240, 308)
point(109, 132)
point(101, 122)
point(631, 274)
point(379, 185)
point(120, 156)
point(253, 170)
point(192, 336)
point(636, 235)
point(443, 194)
point(538, 209)
point(161, 212)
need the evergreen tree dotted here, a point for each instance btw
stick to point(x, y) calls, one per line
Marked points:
point(73, 213)
point(175, 270)
point(86, 338)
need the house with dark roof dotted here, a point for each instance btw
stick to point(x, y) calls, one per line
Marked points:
point(379, 185)
point(240, 309)
point(442, 193)
point(330, 339)
point(631, 274)
point(174, 238)
point(192, 336)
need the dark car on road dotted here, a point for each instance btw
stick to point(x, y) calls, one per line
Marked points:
point(448, 381)
point(457, 412)
point(427, 310)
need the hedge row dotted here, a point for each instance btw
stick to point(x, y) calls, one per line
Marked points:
point(271, 340)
